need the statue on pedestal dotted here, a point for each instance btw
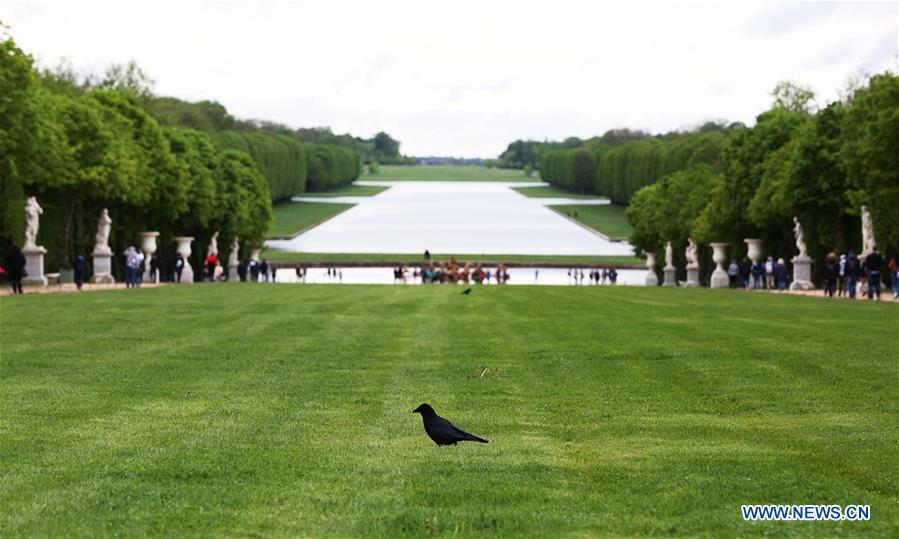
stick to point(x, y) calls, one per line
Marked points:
point(868, 242)
point(800, 238)
point(213, 245)
point(233, 258)
point(33, 212)
point(102, 238)
point(692, 254)
point(669, 255)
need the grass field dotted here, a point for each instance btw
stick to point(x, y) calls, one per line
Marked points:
point(447, 173)
point(285, 410)
point(549, 191)
point(397, 258)
point(608, 219)
point(350, 190)
point(291, 218)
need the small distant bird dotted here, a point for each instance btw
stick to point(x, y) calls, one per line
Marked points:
point(442, 431)
point(467, 291)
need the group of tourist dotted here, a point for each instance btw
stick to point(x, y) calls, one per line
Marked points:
point(451, 272)
point(842, 275)
point(596, 276)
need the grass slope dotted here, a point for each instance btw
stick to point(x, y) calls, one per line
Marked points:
point(398, 258)
point(608, 219)
point(448, 173)
point(550, 191)
point(285, 410)
point(291, 218)
point(350, 190)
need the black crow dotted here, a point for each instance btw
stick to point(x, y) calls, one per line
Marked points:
point(467, 291)
point(442, 431)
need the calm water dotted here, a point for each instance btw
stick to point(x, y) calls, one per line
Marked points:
point(517, 276)
point(452, 217)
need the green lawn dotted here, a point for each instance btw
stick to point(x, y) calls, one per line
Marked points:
point(550, 191)
point(291, 218)
point(448, 173)
point(350, 190)
point(397, 258)
point(608, 219)
point(285, 410)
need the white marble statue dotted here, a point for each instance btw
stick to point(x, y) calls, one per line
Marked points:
point(233, 257)
point(868, 242)
point(33, 212)
point(669, 255)
point(102, 237)
point(800, 238)
point(692, 254)
point(213, 245)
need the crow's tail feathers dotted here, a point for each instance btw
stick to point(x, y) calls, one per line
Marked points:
point(474, 438)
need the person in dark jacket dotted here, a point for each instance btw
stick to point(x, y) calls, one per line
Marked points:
point(831, 273)
point(874, 267)
point(263, 270)
point(758, 275)
point(745, 271)
point(852, 273)
point(15, 267)
point(780, 274)
point(78, 268)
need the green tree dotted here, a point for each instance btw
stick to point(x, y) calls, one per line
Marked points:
point(870, 142)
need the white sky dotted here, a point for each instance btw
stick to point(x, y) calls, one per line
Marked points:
point(465, 78)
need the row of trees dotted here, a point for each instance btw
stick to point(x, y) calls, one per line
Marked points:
point(820, 166)
point(618, 169)
point(80, 148)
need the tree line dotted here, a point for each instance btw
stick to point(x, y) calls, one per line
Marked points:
point(818, 165)
point(619, 168)
point(81, 145)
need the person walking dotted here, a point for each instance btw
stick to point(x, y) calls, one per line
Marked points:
point(733, 271)
point(758, 275)
point(769, 273)
point(211, 262)
point(894, 275)
point(831, 273)
point(874, 267)
point(841, 276)
point(263, 269)
point(254, 271)
point(15, 268)
point(745, 273)
point(852, 272)
point(78, 268)
point(179, 267)
point(780, 274)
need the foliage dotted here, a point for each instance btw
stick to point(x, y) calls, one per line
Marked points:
point(330, 166)
point(282, 160)
point(18, 136)
point(869, 147)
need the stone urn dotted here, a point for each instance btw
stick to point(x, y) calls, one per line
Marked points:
point(719, 276)
point(754, 249)
point(187, 274)
point(148, 246)
point(651, 278)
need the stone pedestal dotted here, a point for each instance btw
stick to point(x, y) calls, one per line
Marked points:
point(719, 276)
point(651, 278)
point(233, 277)
point(34, 265)
point(187, 274)
point(670, 276)
point(148, 246)
point(102, 266)
point(802, 273)
point(692, 276)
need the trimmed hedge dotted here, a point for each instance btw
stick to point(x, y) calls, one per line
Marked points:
point(281, 159)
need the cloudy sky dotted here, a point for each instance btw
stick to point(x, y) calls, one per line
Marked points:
point(465, 78)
